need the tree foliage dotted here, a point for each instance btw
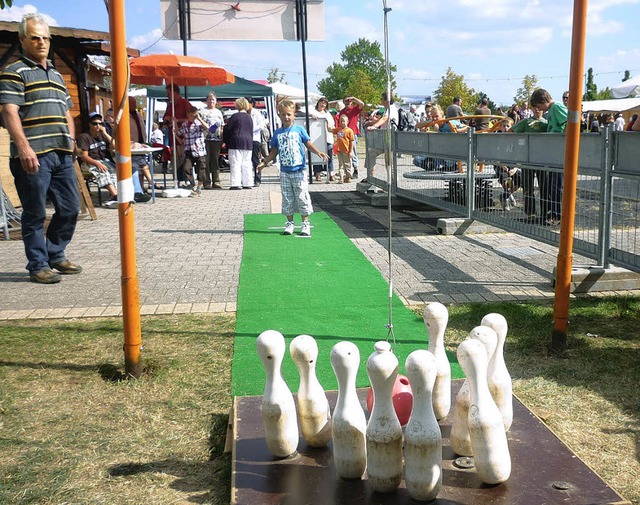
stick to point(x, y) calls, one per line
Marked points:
point(453, 85)
point(361, 73)
point(275, 75)
point(523, 93)
point(5, 3)
point(590, 88)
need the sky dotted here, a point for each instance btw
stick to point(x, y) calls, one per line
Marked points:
point(494, 44)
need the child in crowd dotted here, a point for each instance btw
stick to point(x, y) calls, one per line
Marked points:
point(343, 147)
point(195, 153)
point(288, 142)
point(510, 178)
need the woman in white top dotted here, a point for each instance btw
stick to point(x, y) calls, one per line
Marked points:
point(322, 111)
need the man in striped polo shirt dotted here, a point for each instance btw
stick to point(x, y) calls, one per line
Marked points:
point(35, 109)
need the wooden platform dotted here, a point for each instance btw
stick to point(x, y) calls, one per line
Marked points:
point(544, 470)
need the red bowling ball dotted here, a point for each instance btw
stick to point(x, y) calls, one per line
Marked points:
point(402, 399)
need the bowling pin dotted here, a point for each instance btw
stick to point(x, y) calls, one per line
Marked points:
point(422, 436)
point(486, 429)
point(313, 407)
point(384, 433)
point(500, 383)
point(278, 407)
point(349, 424)
point(436, 318)
point(459, 437)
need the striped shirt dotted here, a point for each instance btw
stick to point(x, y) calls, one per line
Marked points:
point(43, 100)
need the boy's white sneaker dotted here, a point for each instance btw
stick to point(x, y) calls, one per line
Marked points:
point(305, 229)
point(289, 227)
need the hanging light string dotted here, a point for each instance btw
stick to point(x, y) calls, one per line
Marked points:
point(387, 163)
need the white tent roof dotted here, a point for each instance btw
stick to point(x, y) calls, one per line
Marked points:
point(293, 93)
point(616, 105)
point(629, 88)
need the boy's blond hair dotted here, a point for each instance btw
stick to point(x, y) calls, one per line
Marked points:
point(286, 104)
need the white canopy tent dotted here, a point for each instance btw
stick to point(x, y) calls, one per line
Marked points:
point(615, 105)
point(292, 93)
point(628, 88)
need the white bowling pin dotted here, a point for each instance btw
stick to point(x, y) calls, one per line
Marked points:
point(500, 383)
point(486, 429)
point(384, 433)
point(459, 436)
point(314, 413)
point(436, 317)
point(278, 407)
point(422, 435)
point(349, 424)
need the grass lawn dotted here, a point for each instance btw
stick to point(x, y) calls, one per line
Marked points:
point(71, 431)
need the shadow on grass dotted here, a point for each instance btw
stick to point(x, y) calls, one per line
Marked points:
point(51, 366)
point(211, 480)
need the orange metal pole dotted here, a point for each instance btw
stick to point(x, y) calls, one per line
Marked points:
point(571, 154)
point(129, 275)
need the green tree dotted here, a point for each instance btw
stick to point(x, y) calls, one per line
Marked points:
point(590, 88)
point(453, 85)
point(360, 58)
point(5, 3)
point(275, 75)
point(360, 85)
point(523, 93)
point(604, 94)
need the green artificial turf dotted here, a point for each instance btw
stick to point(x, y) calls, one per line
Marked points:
point(321, 286)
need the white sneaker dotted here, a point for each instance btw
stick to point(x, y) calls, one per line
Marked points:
point(289, 227)
point(305, 229)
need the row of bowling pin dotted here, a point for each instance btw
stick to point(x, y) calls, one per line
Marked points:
point(483, 409)
point(376, 446)
point(312, 403)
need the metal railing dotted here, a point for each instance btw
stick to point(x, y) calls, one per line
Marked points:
point(438, 170)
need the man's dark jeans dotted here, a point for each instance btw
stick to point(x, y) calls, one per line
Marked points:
point(56, 179)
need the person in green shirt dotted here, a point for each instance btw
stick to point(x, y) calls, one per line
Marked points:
point(534, 124)
point(556, 123)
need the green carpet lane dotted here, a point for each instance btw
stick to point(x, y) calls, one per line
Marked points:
point(321, 286)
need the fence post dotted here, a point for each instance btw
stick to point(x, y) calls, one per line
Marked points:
point(606, 187)
point(471, 172)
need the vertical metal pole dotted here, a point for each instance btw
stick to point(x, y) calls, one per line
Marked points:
point(301, 22)
point(388, 151)
point(606, 186)
point(571, 154)
point(471, 174)
point(126, 221)
point(185, 33)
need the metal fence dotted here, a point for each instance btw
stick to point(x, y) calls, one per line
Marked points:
point(438, 170)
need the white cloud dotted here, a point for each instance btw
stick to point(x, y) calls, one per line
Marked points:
point(15, 13)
